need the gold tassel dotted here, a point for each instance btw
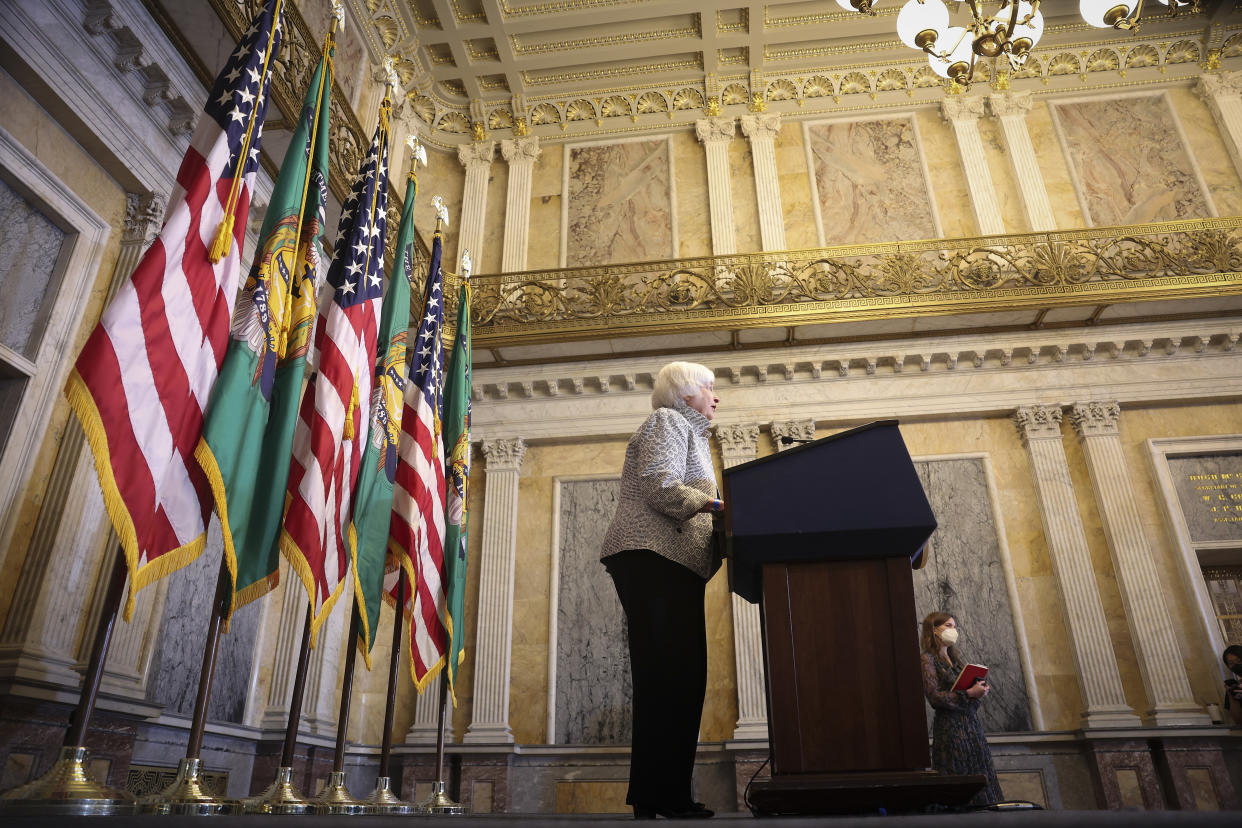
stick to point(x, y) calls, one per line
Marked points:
point(349, 414)
point(223, 241)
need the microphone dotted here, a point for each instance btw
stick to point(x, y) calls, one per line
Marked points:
point(789, 441)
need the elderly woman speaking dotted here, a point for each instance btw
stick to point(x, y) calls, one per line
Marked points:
point(658, 550)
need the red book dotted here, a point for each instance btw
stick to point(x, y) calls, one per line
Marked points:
point(970, 673)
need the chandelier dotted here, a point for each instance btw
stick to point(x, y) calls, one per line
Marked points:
point(1010, 31)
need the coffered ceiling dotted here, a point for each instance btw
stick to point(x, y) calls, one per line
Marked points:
point(574, 64)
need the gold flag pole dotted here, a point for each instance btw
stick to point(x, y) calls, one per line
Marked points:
point(439, 802)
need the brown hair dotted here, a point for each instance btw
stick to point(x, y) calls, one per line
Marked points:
point(929, 641)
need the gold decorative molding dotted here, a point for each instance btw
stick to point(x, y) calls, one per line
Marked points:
point(1166, 260)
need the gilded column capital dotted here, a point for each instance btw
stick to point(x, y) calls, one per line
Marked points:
point(504, 454)
point(1219, 85)
point(143, 216)
point(1039, 421)
point(961, 109)
point(1010, 104)
point(521, 150)
point(1095, 417)
point(798, 430)
point(715, 130)
point(760, 127)
point(478, 153)
point(738, 442)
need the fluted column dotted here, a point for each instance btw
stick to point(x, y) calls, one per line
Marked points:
point(762, 131)
point(1104, 699)
point(490, 721)
point(1151, 629)
point(520, 154)
point(798, 431)
point(715, 134)
point(284, 655)
point(1223, 94)
point(1011, 108)
point(740, 444)
point(72, 547)
point(963, 113)
point(476, 157)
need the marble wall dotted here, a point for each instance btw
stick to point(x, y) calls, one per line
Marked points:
point(593, 691)
point(965, 576)
point(177, 661)
point(29, 246)
point(620, 203)
point(869, 181)
point(1122, 176)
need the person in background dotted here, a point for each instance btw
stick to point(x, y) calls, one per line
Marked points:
point(958, 743)
point(1232, 657)
point(658, 551)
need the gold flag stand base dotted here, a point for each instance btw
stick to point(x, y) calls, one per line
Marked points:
point(384, 801)
point(281, 797)
point(335, 798)
point(187, 796)
point(439, 803)
point(66, 790)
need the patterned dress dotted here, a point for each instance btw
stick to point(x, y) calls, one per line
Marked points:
point(958, 743)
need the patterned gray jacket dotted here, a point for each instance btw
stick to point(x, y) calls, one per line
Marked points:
point(666, 479)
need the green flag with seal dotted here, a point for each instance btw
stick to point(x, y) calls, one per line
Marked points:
point(457, 479)
point(250, 420)
point(372, 507)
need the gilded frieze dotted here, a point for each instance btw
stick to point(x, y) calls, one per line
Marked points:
point(1185, 259)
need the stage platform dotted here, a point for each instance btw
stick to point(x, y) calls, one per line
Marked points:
point(979, 819)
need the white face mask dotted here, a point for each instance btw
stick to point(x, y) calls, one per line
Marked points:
point(949, 636)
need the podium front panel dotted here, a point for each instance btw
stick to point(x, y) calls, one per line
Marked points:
point(845, 690)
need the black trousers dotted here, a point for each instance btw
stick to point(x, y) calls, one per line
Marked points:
point(663, 603)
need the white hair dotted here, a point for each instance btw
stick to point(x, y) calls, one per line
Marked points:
point(679, 380)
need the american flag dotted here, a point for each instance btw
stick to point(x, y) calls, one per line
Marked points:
point(416, 535)
point(333, 421)
point(144, 377)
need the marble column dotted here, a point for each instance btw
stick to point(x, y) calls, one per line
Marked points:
point(49, 629)
point(1223, 94)
point(426, 725)
point(1155, 640)
point(740, 444)
point(1103, 697)
point(963, 113)
point(762, 131)
point(1011, 108)
point(284, 655)
point(476, 157)
point(520, 154)
point(494, 632)
point(715, 134)
point(799, 431)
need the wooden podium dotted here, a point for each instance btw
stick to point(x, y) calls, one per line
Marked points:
point(823, 537)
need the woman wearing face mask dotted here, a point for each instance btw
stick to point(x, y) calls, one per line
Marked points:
point(1232, 656)
point(958, 743)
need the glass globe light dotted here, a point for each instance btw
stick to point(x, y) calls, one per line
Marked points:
point(962, 47)
point(1025, 35)
point(1104, 13)
point(918, 16)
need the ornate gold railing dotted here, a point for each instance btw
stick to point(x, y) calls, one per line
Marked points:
point(1183, 259)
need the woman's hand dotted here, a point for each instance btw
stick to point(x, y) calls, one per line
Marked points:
point(713, 506)
point(978, 690)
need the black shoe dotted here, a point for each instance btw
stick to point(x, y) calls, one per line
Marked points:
point(695, 810)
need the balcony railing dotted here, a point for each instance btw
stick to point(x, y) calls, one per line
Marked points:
point(1167, 260)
